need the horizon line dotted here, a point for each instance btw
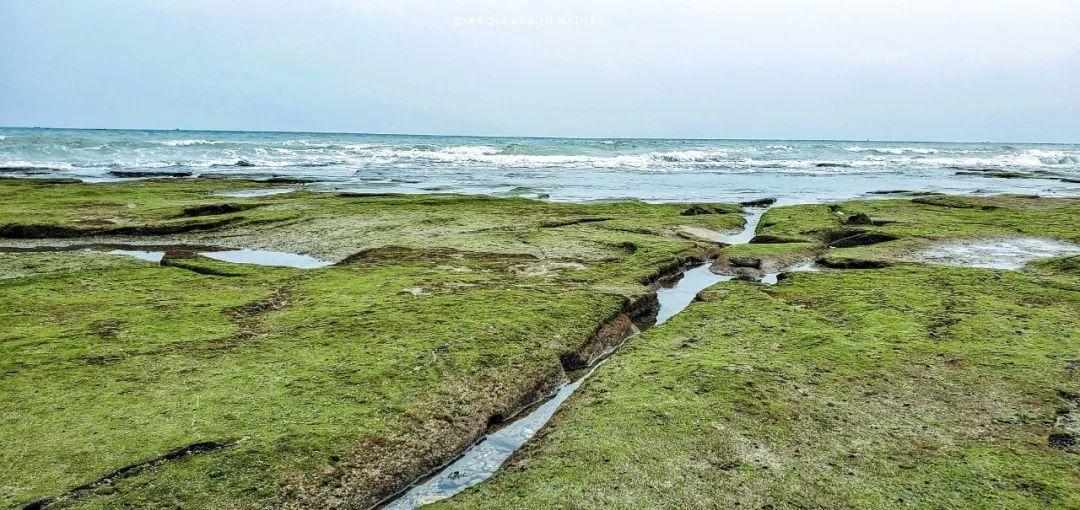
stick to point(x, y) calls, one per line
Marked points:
point(538, 137)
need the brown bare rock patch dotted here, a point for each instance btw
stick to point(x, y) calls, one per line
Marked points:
point(846, 238)
point(215, 209)
point(45, 231)
point(752, 262)
point(606, 338)
point(380, 467)
point(247, 318)
point(849, 263)
point(575, 221)
point(545, 268)
point(130, 470)
point(698, 209)
point(771, 239)
point(950, 201)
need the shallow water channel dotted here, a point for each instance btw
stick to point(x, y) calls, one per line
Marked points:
point(484, 458)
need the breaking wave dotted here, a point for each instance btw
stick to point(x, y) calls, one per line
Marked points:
point(94, 153)
point(186, 143)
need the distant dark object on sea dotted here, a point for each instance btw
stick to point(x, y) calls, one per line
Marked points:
point(131, 174)
point(997, 173)
point(278, 179)
point(890, 192)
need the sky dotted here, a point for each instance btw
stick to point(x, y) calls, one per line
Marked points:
point(960, 70)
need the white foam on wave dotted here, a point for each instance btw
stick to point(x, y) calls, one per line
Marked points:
point(52, 165)
point(479, 150)
point(335, 156)
point(896, 151)
point(1055, 157)
point(187, 142)
point(697, 160)
point(655, 161)
point(1002, 161)
point(1025, 158)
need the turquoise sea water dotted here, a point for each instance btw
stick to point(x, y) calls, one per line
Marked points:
point(557, 168)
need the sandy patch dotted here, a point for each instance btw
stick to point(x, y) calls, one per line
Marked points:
point(544, 268)
point(706, 234)
point(995, 253)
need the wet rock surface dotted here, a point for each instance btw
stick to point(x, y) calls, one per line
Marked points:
point(766, 381)
point(995, 253)
point(749, 262)
point(392, 383)
point(873, 378)
point(446, 316)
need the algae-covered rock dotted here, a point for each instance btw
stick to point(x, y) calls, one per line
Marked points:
point(340, 385)
point(835, 389)
point(443, 313)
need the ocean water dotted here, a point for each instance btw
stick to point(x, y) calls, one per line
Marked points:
point(555, 168)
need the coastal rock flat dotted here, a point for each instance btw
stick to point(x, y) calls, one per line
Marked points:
point(879, 233)
point(910, 386)
point(208, 384)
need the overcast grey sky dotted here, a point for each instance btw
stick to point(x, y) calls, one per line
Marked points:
point(913, 70)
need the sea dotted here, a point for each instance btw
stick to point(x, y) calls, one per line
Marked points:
point(564, 169)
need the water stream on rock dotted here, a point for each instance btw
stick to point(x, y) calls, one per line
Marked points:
point(485, 457)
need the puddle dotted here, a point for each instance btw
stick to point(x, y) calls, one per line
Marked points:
point(252, 193)
point(267, 258)
point(149, 253)
point(772, 278)
point(156, 253)
point(1000, 253)
point(149, 256)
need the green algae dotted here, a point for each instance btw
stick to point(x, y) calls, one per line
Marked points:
point(333, 226)
point(903, 387)
point(932, 217)
point(877, 233)
point(335, 384)
point(31, 208)
point(909, 386)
